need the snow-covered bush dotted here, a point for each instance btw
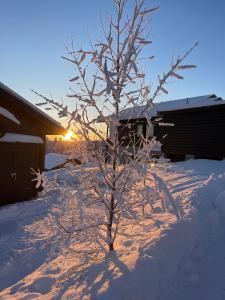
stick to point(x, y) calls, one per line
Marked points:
point(109, 78)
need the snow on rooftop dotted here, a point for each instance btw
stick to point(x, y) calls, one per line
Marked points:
point(53, 160)
point(43, 114)
point(180, 104)
point(135, 112)
point(7, 114)
point(21, 138)
point(186, 103)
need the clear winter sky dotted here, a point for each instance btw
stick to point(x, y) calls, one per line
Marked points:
point(33, 36)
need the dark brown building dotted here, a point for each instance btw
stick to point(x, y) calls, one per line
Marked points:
point(198, 132)
point(23, 128)
point(190, 127)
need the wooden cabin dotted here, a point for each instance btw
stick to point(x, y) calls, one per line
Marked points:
point(198, 132)
point(23, 128)
point(190, 127)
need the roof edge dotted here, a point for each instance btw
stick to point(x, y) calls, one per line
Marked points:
point(32, 106)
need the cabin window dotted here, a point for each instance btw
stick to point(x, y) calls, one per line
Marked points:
point(149, 129)
point(139, 130)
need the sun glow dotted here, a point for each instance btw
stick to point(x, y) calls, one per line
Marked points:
point(69, 136)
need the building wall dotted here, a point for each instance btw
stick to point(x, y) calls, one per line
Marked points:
point(16, 158)
point(16, 176)
point(198, 132)
point(130, 131)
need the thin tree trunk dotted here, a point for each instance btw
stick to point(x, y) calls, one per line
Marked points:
point(112, 202)
point(115, 148)
point(111, 214)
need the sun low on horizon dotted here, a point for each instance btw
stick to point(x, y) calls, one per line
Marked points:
point(69, 136)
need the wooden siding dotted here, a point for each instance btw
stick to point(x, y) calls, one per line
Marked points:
point(198, 132)
point(17, 159)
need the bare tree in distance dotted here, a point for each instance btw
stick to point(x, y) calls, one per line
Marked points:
point(109, 78)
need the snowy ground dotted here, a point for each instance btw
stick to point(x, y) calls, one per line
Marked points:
point(157, 258)
point(53, 160)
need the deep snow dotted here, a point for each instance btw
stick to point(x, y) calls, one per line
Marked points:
point(156, 258)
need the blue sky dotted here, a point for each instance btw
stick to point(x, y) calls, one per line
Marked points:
point(34, 35)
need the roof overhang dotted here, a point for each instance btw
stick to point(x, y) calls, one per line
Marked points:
point(50, 126)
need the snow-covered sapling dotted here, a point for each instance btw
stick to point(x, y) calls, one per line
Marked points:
point(109, 78)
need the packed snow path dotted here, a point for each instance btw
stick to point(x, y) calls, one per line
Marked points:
point(158, 259)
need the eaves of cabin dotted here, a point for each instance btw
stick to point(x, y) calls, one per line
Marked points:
point(30, 119)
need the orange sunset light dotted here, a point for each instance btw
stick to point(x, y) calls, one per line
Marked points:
point(69, 136)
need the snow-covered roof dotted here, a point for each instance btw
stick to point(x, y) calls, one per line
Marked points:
point(187, 103)
point(53, 160)
point(7, 114)
point(21, 138)
point(181, 104)
point(33, 107)
point(135, 112)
